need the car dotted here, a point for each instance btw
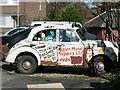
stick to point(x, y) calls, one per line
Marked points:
point(62, 45)
point(11, 39)
point(14, 30)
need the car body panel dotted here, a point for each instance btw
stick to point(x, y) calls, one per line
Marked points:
point(13, 55)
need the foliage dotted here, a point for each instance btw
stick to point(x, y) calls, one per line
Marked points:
point(69, 13)
point(53, 8)
point(114, 77)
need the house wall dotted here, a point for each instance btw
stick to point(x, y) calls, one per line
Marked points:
point(3, 30)
point(8, 9)
point(31, 11)
point(28, 11)
point(100, 32)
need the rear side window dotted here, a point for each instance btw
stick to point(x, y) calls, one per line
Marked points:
point(46, 35)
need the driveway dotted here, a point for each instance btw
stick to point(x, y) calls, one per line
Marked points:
point(68, 78)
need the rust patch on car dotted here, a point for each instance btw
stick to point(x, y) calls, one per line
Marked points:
point(48, 63)
point(85, 65)
point(76, 59)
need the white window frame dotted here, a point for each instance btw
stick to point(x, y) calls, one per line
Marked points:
point(40, 5)
point(9, 2)
point(5, 18)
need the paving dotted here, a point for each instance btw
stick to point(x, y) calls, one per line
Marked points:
point(43, 80)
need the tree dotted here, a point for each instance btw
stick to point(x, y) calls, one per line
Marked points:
point(53, 8)
point(69, 13)
point(112, 20)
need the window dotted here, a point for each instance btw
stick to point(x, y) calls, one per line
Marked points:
point(67, 36)
point(3, 1)
point(40, 7)
point(9, 2)
point(6, 21)
point(46, 35)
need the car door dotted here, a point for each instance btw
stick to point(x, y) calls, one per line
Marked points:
point(45, 44)
point(70, 48)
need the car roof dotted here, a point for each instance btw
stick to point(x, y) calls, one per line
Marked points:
point(50, 22)
point(46, 27)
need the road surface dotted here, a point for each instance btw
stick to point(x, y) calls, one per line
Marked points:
point(17, 81)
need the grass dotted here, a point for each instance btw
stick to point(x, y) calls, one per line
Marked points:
point(114, 78)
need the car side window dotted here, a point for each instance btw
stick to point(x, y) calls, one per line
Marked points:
point(46, 35)
point(67, 36)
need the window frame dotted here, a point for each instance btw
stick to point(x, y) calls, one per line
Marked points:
point(41, 31)
point(72, 31)
point(7, 21)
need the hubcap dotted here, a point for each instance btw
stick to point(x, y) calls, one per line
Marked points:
point(26, 65)
point(100, 66)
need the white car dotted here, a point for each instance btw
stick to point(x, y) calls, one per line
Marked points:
point(62, 45)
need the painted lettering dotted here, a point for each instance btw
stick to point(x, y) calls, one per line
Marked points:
point(48, 48)
point(66, 53)
point(42, 50)
point(76, 49)
point(64, 49)
point(51, 55)
point(64, 60)
point(43, 54)
point(80, 53)
point(51, 51)
point(53, 58)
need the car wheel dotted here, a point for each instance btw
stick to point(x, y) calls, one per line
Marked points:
point(26, 64)
point(100, 66)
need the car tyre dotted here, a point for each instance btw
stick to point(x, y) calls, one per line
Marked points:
point(26, 64)
point(100, 66)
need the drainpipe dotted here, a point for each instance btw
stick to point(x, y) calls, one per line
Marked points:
point(18, 13)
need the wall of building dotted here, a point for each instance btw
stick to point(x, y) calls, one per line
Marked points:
point(100, 32)
point(28, 12)
point(32, 11)
point(8, 9)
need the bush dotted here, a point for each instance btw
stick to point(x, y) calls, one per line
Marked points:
point(69, 13)
point(114, 78)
